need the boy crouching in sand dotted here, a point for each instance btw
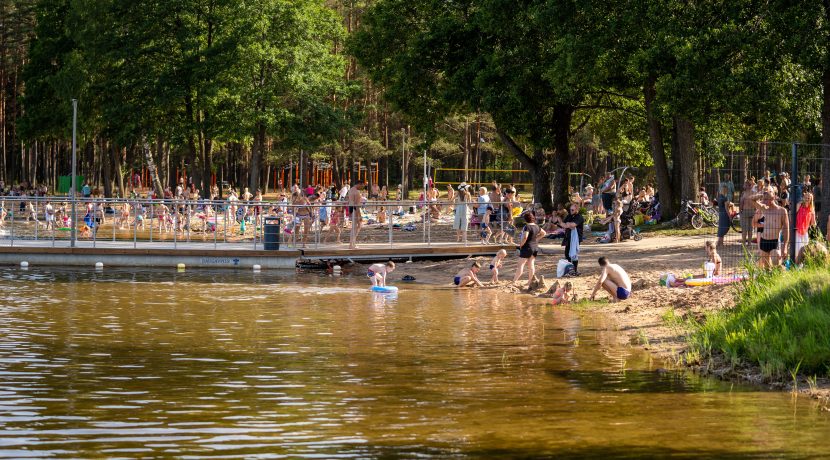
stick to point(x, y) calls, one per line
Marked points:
point(467, 276)
point(496, 264)
point(377, 273)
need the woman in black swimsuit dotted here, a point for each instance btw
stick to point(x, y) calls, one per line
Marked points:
point(529, 247)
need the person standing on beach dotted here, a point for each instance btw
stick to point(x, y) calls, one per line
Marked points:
point(462, 213)
point(608, 190)
point(724, 219)
point(805, 219)
point(573, 222)
point(614, 280)
point(776, 225)
point(529, 248)
point(747, 205)
point(355, 201)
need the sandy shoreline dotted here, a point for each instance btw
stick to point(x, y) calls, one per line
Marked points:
point(643, 318)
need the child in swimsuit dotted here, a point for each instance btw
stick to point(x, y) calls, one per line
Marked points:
point(713, 258)
point(467, 276)
point(335, 223)
point(377, 273)
point(560, 295)
point(496, 264)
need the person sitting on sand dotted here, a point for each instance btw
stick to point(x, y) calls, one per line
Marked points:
point(496, 264)
point(671, 281)
point(712, 257)
point(560, 295)
point(467, 276)
point(614, 280)
point(377, 273)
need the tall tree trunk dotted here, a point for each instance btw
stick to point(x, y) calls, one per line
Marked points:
point(538, 166)
point(256, 156)
point(562, 116)
point(151, 167)
point(825, 148)
point(658, 153)
point(106, 155)
point(684, 133)
point(118, 158)
point(207, 158)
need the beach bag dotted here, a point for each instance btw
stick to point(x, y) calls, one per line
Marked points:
point(564, 267)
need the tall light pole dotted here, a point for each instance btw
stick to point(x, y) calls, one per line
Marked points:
point(74, 171)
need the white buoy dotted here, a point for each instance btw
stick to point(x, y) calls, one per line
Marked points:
point(24, 264)
point(180, 267)
point(257, 267)
point(99, 265)
point(336, 270)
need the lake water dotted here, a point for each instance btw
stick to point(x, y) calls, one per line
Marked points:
point(242, 365)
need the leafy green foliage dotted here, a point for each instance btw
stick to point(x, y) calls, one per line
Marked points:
point(781, 321)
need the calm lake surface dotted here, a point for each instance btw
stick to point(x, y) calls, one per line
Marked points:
point(242, 365)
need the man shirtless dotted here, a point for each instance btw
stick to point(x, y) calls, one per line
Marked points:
point(614, 280)
point(747, 205)
point(776, 224)
point(355, 201)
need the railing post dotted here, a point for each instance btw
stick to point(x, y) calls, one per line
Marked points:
point(135, 224)
point(152, 216)
point(215, 223)
point(12, 232)
point(391, 217)
point(37, 226)
point(94, 226)
point(188, 209)
point(176, 222)
point(795, 197)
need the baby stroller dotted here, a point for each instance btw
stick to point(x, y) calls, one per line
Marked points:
point(627, 230)
point(651, 209)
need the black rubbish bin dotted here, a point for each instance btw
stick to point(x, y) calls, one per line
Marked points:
point(271, 233)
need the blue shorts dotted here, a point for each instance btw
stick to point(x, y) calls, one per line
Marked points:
point(623, 293)
point(492, 266)
point(370, 273)
point(456, 280)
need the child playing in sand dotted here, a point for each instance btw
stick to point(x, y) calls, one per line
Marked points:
point(377, 273)
point(560, 295)
point(712, 257)
point(496, 264)
point(468, 276)
point(671, 281)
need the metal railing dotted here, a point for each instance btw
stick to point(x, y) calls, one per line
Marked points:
point(47, 221)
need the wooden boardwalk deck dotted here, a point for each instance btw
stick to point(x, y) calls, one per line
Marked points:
point(127, 253)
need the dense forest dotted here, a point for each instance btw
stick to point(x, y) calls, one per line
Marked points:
point(262, 92)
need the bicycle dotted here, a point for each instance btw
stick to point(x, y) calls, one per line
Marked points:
point(697, 215)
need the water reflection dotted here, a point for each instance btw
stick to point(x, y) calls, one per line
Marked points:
point(232, 364)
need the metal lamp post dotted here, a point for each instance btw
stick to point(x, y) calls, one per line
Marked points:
point(74, 171)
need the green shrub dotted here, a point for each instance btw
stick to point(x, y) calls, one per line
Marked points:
point(781, 320)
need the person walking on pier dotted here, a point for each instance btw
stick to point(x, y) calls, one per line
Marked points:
point(355, 201)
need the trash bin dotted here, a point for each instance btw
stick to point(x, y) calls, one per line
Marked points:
point(271, 233)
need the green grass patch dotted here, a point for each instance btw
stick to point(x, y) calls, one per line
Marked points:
point(781, 323)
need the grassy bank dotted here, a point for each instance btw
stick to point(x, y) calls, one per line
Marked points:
point(780, 323)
